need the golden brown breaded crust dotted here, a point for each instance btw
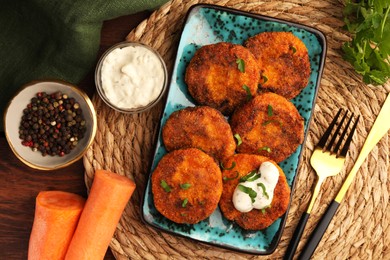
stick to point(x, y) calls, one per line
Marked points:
point(214, 79)
point(199, 127)
point(195, 185)
point(283, 59)
point(269, 125)
point(254, 219)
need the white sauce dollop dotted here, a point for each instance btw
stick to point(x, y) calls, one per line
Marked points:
point(269, 176)
point(132, 76)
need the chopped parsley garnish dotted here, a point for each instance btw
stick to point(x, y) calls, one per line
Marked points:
point(270, 110)
point(265, 148)
point(264, 190)
point(251, 176)
point(265, 79)
point(294, 50)
point(246, 177)
point(165, 186)
point(240, 65)
point(238, 138)
point(248, 92)
point(230, 178)
point(184, 203)
point(270, 113)
point(252, 194)
point(229, 168)
point(185, 186)
point(257, 176)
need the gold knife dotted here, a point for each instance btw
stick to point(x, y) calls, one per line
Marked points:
point(378, 130)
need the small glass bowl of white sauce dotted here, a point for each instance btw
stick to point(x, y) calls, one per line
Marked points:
point(131, 77)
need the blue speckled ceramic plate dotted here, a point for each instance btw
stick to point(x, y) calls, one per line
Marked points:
point(207, 24)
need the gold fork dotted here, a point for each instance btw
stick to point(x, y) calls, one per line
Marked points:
point(327, 160)
point(378, 130)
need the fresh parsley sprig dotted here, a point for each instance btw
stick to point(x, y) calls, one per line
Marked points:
point(369, 23)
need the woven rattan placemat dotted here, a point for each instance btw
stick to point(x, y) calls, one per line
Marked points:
point(360, 229)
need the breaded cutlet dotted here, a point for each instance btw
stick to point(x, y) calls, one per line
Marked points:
point(255, 219)
point(222, 76)
point(186, 185)
point(200, 127)
point(269, 125)
point(283, 62)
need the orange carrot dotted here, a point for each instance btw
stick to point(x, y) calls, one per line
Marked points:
point(55, 220)
point(107, 199)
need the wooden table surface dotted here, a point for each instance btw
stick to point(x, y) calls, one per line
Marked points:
point(19, 184)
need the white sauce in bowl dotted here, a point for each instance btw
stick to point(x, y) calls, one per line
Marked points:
point(132, 76)
point(263, 186)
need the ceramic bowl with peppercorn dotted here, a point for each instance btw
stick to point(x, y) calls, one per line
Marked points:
point(50, 124)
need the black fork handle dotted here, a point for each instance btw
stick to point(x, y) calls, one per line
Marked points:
point(296, 237)
point(319, 231)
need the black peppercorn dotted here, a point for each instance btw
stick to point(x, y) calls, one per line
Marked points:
point(52, 124)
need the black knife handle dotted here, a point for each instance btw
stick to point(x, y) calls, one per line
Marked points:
point(296, 237)
point(319, 231)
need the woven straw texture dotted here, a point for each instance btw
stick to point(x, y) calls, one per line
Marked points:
point(360, 229)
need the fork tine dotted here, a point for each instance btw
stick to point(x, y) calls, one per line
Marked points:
point(328, 131)
point(330, 144)
point(349, 138)
point(341, 138)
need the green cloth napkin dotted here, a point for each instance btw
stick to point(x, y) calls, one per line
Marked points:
point(59, 39)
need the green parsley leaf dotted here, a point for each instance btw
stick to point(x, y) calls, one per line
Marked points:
point(165, 186)
point(369, 50)
point(265, 148)
point(248, 92)
point(251, 176)
point(238, 138)
point(264, 190)
point(230, 168)
point(252, 194)
point(185, 186)
point(240, 65)
point(257, 176)
point(246, 177)
point(265, 78)
point(293, 49)
point(184, 203)
point(270, 110)
point(230, 178)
